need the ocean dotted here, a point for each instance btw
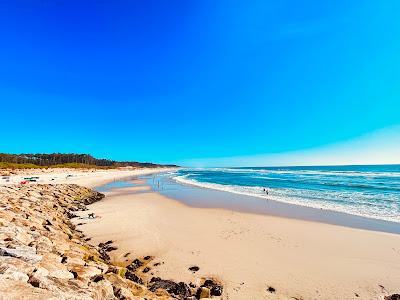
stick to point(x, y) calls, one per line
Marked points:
point(367, 191)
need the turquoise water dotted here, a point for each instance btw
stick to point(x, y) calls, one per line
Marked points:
point(369, 191)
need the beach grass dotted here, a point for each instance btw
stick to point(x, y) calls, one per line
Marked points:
point(7, 165)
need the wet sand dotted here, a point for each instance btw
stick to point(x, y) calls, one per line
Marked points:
point(208, 198)
point(248, 252)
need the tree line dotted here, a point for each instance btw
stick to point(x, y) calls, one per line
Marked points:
point(68, 158)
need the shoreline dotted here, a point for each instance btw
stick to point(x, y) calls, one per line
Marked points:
point(201, 197)
point(365, 191)
point(271, 249)
point(297, 204)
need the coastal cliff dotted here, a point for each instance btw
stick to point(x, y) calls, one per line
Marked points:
point(43, 255)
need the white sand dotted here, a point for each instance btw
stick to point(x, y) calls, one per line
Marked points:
point(249, 253)
point(88, 178)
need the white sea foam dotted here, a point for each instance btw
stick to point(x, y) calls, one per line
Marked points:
point(387, 211)
point(304, 172)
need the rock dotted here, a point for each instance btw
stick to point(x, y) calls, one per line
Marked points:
point(180, 289)
point(393, 297)
point(14, 274)
point(122, 293)
point(103, 255)
point(271, 289)
point(41, 272)
point(34, 281)
point(10, 289)
point(43, 244)
point(25, 253)
point(74, 274)
point(103, 290)
point(85, 271)
point(133, 277)
point(134, 265)
point(215, 288)
point(194, 269)
point(203, 292)
point(12, 262)
point(62, 274)
point(110, 248)
point(43, 255)
point(52, 263)
point(97, 278)
point(112, 269)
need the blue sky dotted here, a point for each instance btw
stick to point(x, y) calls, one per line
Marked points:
point(200, 82)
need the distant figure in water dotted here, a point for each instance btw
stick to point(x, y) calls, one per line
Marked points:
point(265, 190)
point(158, 184)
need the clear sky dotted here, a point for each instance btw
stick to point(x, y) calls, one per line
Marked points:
point(202, 82)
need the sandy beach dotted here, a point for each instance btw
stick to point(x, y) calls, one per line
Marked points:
point(255, 256)
point(84, 177)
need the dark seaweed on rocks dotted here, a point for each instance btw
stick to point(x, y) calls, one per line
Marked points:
point(134, 265)
point(194, 269)
point(215, 288)
point(181, 289)
point(133, 277)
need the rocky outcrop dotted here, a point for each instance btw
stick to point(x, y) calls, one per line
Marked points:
point(43, 255)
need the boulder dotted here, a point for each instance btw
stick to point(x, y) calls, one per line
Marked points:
point(134, 265)
point(44, 245)
point(180, 289)
point(194, 269)
point(102, 290)
point(122, 293)
point(41, 272)
point(133, 277)
point(11, 289)
point(215, 288)
point(85, 271)
point(203, 292)
point(15, 274)
point(23, 266)
point(25, 253)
